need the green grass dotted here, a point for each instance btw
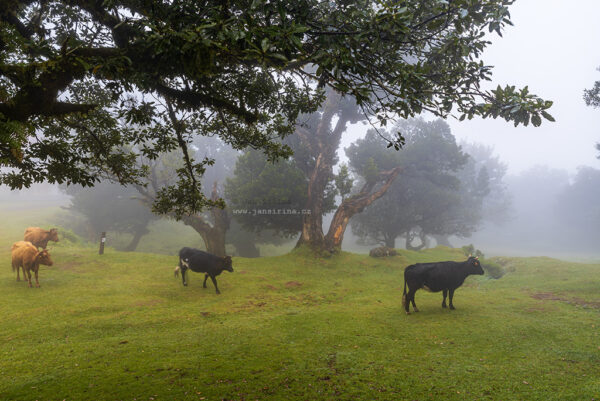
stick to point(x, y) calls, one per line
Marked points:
point(121, 327)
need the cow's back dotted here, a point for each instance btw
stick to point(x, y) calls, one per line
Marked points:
point(435, 276)
point(36, 235)
point(23, 251)
point(199, 261)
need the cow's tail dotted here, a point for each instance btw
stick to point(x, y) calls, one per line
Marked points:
point(404, 293)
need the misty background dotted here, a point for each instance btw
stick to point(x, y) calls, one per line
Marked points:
point(551, 172)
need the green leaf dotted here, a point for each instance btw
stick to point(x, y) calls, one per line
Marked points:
point(547, 116)
point(264, 44)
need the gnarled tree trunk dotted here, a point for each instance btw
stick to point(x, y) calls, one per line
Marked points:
point(213, 234)
point(323, 143)
point(356, 204)
point(390, 242)
point(137, 236)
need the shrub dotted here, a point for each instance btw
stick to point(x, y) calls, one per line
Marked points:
point(382, 251)
point(469, 250)
point(492, 269)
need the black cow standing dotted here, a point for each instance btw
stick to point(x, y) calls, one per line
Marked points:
point(202, 262)
point(435, 277)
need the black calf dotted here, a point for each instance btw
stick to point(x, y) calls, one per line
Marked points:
point(202, 262)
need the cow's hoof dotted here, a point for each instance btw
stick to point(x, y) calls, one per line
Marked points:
point(452, 307)
point(416, 310)
point(408, 313)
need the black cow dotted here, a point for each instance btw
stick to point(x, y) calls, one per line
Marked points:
point(202, 262)
point(435, 277)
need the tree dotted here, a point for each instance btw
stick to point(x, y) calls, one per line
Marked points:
point(213, 223)
point(245, 70)
point(111, 207)
point(578, 209)
point(429, 198)
point(315, 148)
point(592, 98)
point(267, 196)
point(497, 203)
point(344, 181)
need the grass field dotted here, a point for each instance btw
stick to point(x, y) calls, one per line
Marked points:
point(121, 327)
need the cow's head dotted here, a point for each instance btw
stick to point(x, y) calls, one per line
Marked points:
point(43, 258)
point(227, 264)
point(53, 235)
point(475, 265)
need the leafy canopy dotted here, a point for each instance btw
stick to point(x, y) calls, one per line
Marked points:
point(81, 81)
point(434, 194)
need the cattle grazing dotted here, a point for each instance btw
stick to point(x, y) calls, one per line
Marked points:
point(26, 255)
point(202, 262)
point(40, 237)
point(435, 277)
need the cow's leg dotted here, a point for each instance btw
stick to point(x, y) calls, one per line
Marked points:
point(183, 271)
point(37, 283)
point(410, 298)
point(451, 295)
point(206, 278)
point(444, 301)
point(214, 280)
point(18, 277)
point(413, 302)
point(28, 276)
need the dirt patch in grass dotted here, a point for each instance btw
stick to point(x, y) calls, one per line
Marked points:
point(69, 266)
point(149, 303)
point(292, 284)
point(548, 296)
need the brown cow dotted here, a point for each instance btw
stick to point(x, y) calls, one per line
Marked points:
point(26, 255)
point(40, 237)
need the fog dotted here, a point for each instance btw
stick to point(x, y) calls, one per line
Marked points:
point(553, 49)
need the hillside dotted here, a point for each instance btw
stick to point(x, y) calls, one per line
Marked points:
point(121, 327)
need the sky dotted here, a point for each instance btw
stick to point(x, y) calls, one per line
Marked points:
point(553, 49)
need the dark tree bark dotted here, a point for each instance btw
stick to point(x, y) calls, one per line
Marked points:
point(390, 241)
point(442, 240)
point(247, 249)
point(213, 234)
point(137, 236)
